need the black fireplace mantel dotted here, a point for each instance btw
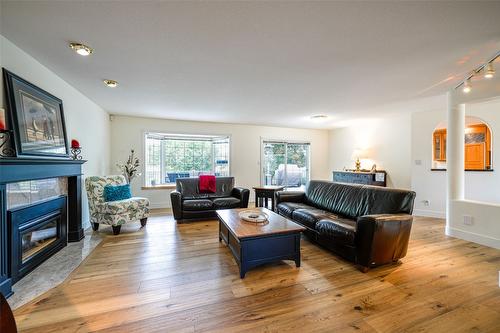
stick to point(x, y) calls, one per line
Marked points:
point(23, 169)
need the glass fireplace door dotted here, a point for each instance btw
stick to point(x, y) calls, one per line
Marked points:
point(37, 238)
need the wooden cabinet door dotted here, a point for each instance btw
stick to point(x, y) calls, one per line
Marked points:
point(475, 156)
point(438, 147)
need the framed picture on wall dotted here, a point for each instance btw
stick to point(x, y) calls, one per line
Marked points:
point(37, 119)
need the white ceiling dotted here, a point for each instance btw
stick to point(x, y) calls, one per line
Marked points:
point(273, 63)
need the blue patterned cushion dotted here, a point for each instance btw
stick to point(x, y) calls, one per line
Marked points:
point(116, 192)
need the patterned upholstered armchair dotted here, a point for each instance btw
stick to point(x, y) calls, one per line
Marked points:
point(113, 213)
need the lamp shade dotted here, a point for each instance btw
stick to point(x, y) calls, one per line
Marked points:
point(358, 153)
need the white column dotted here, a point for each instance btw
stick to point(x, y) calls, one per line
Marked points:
point(454, 158)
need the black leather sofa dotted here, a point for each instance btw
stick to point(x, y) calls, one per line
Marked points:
point(367, 225)
point(189, 204)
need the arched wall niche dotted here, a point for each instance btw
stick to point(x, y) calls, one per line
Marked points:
point(478, 145)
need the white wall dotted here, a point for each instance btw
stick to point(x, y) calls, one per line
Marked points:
point(85, 120)
point(128, 133)
point(431, 185)
point(386, 141)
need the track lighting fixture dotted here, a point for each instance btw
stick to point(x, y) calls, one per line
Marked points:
point(467, 87)
point(489, 71)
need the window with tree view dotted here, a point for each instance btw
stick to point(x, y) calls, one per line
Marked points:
point(172, 156)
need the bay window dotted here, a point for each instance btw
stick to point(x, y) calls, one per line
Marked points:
point(172, 156)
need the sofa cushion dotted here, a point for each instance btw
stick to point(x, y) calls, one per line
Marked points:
point(337, 230)
point(226, 202)
point(309, 216)
point(287, 208)
point(197, 204)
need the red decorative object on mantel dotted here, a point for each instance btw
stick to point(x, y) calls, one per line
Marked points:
point(2, 125)
point(75, 144)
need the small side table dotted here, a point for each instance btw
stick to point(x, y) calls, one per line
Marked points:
point(264, 193)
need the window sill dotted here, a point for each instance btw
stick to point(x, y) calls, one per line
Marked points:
point(159, 187)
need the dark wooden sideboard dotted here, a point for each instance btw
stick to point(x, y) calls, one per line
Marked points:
point(377, 178)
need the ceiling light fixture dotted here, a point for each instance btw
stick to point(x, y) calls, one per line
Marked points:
point(490, 71)
point(467, 87)
point(111, 83)
point(319, 117)
point(81, 49)
point(487, 70)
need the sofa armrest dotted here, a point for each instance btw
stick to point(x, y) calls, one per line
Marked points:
point(243, 194)
point(176, 198)
point(290, 196)
point(382, 238)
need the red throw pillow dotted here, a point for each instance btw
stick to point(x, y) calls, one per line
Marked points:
point(207, 184)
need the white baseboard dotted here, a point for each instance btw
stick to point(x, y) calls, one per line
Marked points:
point(159, 205)
point(473, 237)
point(429, 213)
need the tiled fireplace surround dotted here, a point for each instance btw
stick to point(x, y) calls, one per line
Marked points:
point(36, 220)
point(40, 201)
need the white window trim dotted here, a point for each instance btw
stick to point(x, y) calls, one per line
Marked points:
point(281, 140)
point(180, 133)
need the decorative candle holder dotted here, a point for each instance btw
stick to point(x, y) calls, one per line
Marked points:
point(75, 153)
point(6, 149)
point(76, 150)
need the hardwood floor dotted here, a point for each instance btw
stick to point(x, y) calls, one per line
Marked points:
point(178, 278)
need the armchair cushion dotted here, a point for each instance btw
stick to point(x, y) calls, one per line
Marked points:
point(122, 206)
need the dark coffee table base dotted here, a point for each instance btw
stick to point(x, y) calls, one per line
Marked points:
point(254, 251)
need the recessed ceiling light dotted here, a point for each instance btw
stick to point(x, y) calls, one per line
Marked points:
point(81, 49)
point(111, 83)
point(490, 71)
point(319, 117)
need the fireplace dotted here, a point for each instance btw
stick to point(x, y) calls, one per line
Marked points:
point(37, 232)
point(36, 221)
point(40, 212)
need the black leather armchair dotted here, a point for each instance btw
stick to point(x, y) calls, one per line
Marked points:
point(189, 204)
point(365, 224)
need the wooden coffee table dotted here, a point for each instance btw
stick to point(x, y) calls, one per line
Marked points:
point(253, 245)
